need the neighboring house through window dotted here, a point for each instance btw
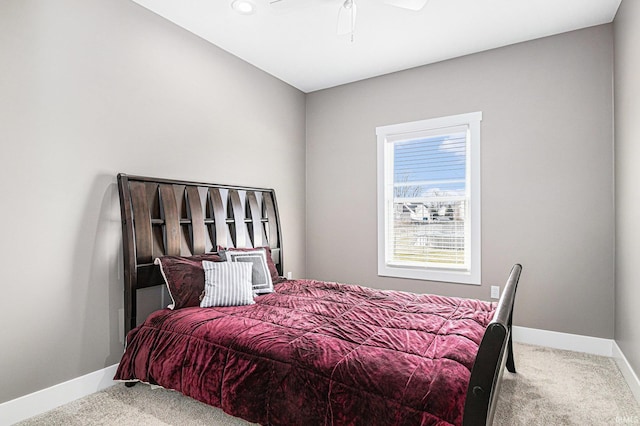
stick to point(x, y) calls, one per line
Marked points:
point(429, 199)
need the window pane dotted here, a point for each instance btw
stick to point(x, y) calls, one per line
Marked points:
point(430, 201)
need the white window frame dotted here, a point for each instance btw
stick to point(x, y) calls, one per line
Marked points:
point(387, 136)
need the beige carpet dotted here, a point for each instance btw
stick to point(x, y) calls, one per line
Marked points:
point(552, 387)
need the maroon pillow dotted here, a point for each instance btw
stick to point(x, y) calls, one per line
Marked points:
point(184, 277)
point(275, 278)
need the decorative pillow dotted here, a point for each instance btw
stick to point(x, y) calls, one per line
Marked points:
point(260, 277)
point(227, 284)
point(275, 277)
point(184, 277)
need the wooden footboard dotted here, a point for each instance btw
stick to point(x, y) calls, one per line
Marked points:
point(495, 350)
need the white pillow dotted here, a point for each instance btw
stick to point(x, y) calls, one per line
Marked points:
point(227, 284)
point(260, 276)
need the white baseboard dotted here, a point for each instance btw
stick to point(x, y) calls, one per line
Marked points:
point(565, 341)
point(627, 372)
point(47, 399)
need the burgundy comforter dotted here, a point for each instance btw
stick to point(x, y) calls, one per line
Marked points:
point(317, 353)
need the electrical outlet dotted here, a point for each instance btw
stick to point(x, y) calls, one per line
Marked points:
point(289, 275)
point(495, 292)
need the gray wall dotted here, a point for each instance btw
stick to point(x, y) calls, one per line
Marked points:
point(627, 154)
point(547, 173)
point(89, 89)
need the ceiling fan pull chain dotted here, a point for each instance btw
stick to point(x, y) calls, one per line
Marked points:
point(353, 18)
point(347, 19)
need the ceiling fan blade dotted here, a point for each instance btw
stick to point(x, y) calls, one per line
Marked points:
point(347, 18)
point(408, 4)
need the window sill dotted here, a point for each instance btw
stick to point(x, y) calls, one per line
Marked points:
point(441, 275)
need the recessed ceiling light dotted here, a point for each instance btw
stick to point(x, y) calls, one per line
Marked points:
point(244, 7)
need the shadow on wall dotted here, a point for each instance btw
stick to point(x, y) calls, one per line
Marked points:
point(97, 277)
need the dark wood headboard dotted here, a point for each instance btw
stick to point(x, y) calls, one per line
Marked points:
point(178, 218)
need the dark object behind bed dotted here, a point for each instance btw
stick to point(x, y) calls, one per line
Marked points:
point(170, 217)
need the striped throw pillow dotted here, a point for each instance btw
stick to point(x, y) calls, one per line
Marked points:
point(227, 284)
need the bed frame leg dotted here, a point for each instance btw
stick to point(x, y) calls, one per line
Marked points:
point(511, 365)
point(130, 384)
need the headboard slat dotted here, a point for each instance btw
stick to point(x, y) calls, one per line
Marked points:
point(194, 213)
point(141, 222)
point(179, 191)
point(169, 212)
point(253, 212)
point(237, 227)
point(219, 237)
point(271, 215)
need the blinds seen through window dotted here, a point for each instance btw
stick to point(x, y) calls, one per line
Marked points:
point(430, 222)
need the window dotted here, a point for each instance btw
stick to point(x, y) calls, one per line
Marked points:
point(429, 199)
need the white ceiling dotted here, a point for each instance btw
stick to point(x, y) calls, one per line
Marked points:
point(297, 42)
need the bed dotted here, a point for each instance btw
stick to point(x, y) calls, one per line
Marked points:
point(303, 351)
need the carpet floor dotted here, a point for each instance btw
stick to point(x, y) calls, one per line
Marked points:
point(552, 387)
